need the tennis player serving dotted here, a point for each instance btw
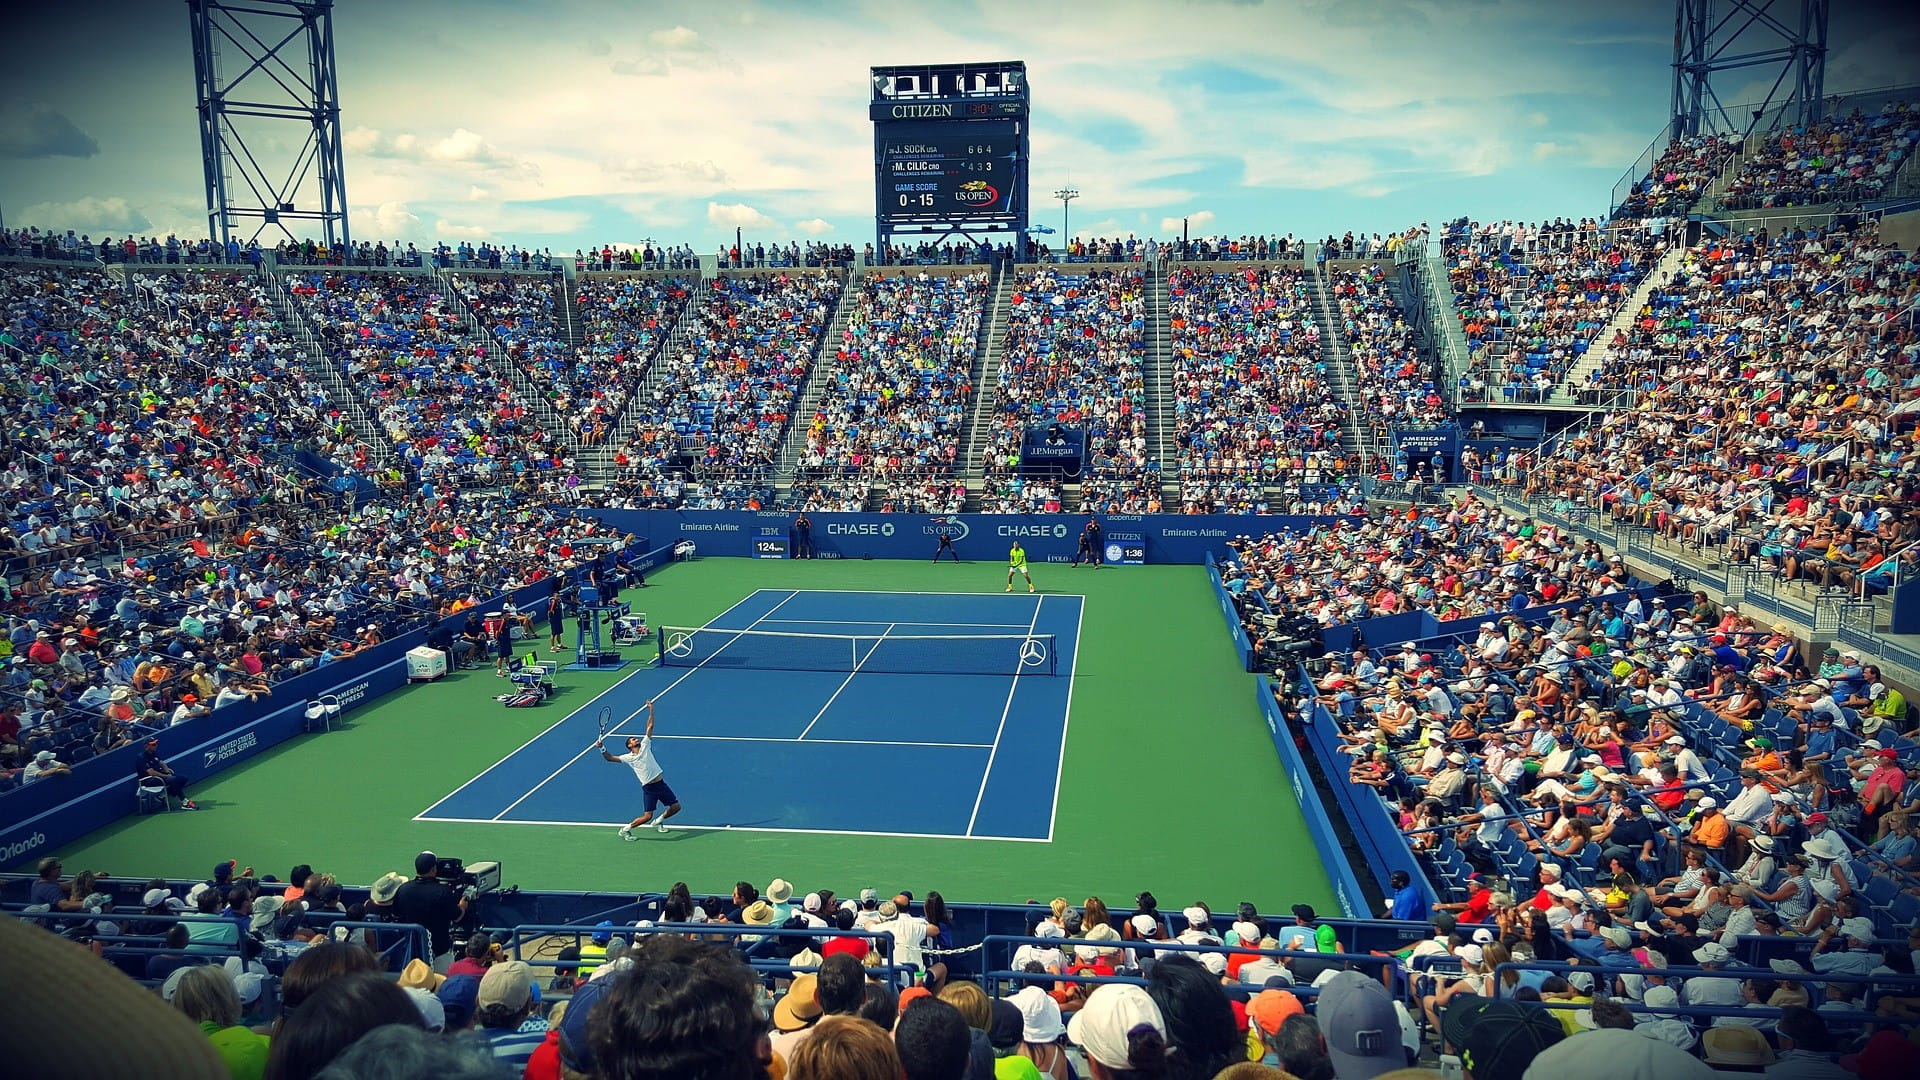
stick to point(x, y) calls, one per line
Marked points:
point(639, 758)
point(1017, 564)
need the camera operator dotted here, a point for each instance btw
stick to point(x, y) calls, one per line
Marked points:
point(434, 904)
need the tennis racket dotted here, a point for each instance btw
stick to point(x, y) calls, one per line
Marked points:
point(606, 723)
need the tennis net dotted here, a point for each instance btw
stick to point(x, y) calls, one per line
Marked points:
point(956, 654)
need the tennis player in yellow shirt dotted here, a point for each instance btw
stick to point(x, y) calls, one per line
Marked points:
point(1017, 564)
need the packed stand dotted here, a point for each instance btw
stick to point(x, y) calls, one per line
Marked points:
point(1394, 378)
point(1072, 355)
point(721, 411)
point(455, 420)
point(1652, 785)
point(1252, 407)
point(623, 324)
point(900, 389)
point(1532, 298)
point(1840, 159)
point(1453, 562)
point(812, 254)
point(207, 398)
point(1683, 172)
point(1800, 457)
point(106, 653)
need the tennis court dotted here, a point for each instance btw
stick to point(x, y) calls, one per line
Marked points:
point(795, 710)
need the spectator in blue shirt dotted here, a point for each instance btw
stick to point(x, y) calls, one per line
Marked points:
point(1408, 901)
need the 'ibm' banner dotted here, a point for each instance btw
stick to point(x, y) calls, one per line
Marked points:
point(1126, 538)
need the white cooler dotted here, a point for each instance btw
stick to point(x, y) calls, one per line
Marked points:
point(425, 665)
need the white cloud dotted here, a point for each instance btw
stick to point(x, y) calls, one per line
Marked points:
point(679, 37)
point(450, 231)
point(738, 216)
point(462, 146)
point(814, 226)
point(475, 193)
point(1199, 219)
point(394, 219)
point(87, 214)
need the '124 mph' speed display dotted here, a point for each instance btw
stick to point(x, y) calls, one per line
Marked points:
point(944, 170)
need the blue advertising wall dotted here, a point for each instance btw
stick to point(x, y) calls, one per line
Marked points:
point(1232, 614)
point(1166, 538)
point(1346, 887)
point(1381, 844)
point(38, 819)
point(1390, 631)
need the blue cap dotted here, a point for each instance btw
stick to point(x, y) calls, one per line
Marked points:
point(459, 996)
point(575, 1051)
point(603, 938)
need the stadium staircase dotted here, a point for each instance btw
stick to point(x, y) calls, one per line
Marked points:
point(820, 374)
point(1157, 373)
point(1601, 349)
point(1443, 319)
point(1340, 370)
point(341, 394)
point(494, 355)
point(570, 313)
point(596, 463)
point(986, 380)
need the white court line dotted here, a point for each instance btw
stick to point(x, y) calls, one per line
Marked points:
point(755, 829)
point(1066, 721)
point(910, 592)
point(820, 742)
point(543, 733)
point(636, 712)
point(857, 661)
point(1008, 707)
point(876, 622)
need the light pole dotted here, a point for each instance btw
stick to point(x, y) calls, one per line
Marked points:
point(1066, 195)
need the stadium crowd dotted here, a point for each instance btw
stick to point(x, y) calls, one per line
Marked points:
point(1532, 298)
point(455, 420)
point(1770, 423)
point(1847, 158)
point(1679, 176)
point(710, 429)
point(107, 651)
point(1394, 376)
point(899, 392)
point(1072, 354)
point(1253, 412)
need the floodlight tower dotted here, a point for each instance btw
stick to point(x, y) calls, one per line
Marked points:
point(1713, 36)
point(264, 69)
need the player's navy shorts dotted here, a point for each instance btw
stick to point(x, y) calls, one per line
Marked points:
point(658, 794)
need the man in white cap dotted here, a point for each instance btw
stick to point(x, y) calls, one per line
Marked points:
point(1121, 1030)
point(44, 766)
point(1846, 945)
point(1703, 990)
point(1687, 763)
point(1616, 1054)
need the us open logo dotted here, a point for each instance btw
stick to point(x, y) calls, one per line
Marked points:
point(956, 530)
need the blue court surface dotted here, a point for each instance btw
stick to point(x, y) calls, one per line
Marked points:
point(877, 753)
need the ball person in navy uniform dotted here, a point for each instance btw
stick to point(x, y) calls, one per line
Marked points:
point(802, 536)
point(1089, 544)
point(945, 546)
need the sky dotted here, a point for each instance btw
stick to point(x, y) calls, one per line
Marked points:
point(565, 123)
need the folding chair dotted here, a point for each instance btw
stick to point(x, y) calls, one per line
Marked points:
point(321, 711)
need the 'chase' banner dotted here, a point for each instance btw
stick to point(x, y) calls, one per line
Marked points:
point(1127, 538)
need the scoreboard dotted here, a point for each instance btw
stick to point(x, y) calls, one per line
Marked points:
point(951, 145)
point(945, 170)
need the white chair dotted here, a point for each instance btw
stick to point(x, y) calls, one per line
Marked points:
point(321, 711)
point(152, 795)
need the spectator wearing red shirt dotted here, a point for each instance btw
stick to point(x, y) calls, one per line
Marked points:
point(41, 651)
point(855, 947)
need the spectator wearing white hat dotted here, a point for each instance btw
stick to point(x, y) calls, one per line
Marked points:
point(44, 766)
point(1121, 1030)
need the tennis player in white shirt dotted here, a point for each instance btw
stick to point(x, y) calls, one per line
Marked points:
point(639, 758)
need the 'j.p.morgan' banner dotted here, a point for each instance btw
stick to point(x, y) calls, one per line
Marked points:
point(1052, 449)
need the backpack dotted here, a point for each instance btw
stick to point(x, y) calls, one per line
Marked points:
point(522, 699)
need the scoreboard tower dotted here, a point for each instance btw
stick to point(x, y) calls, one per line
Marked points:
point(950, 153)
